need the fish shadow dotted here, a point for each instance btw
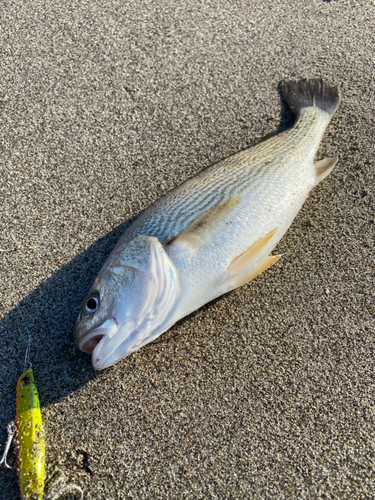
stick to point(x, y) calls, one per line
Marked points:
point(286, 120)
point(286, 116)
point(47, 316)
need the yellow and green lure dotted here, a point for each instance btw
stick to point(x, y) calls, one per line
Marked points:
point(30, 438)
point(29, 430)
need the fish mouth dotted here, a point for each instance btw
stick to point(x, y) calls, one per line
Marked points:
point(96, 361)
point(97, 335)
point(107, 353)
point(90, 344)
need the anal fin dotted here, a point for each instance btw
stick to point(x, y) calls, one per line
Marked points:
point(244, 259)
point(249, 264)
point(323, 168)
point(243, 278)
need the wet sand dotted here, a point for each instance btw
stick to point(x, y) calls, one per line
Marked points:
point(104, 106)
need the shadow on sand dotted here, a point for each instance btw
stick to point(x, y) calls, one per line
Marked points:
point(48, 316)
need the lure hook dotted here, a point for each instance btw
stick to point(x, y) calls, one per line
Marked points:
point(12, 429)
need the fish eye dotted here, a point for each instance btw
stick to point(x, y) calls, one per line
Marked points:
point(91, 304)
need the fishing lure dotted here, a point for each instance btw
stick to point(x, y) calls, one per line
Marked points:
point(28, 428)
point(30, 438)
point(29, 431)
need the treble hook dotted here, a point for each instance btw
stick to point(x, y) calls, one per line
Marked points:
point(12, 429)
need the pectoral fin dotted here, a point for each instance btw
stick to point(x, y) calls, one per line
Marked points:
point(323, 168)
point(249, 264)
point(194, 234)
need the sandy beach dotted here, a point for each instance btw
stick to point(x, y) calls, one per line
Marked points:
point(269, 391)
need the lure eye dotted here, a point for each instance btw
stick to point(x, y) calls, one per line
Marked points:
point(25, 380)
point(91, 304)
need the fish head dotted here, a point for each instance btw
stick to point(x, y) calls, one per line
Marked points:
point(129, 300)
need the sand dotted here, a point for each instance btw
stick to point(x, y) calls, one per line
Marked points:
point(104, 106)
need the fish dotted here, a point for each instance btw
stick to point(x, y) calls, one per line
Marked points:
point(213, 233)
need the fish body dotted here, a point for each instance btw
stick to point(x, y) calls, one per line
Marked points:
point(209, 235)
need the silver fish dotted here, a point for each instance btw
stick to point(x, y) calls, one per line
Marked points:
point(210, 235)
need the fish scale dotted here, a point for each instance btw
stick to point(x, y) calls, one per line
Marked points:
point(212, 234)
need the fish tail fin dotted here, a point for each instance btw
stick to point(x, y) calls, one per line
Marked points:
point(313, 92)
